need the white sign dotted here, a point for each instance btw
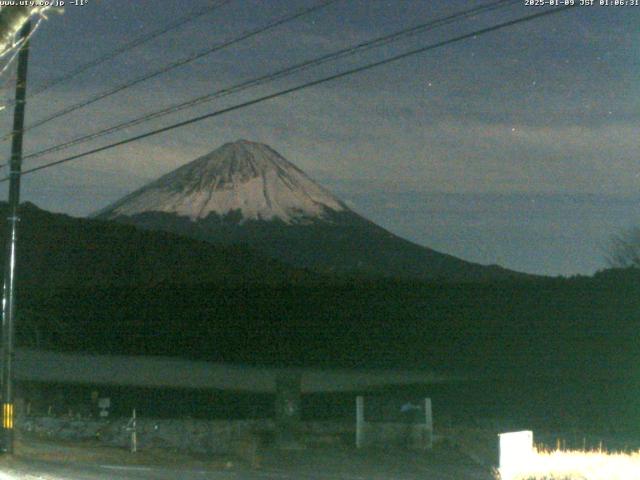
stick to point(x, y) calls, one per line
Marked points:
point(516, 450)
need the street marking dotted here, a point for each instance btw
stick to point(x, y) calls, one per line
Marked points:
point(126, 467)
point(161, 469)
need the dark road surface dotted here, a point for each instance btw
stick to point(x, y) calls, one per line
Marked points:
point(334, 464)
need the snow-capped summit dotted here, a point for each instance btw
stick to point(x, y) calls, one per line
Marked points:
point(241, 177)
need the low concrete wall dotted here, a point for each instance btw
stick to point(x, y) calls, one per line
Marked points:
point(199, 436)
point(409, 435)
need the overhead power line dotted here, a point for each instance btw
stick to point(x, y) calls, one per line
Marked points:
point(353, 50)
point(128, 46)
point(303, 86)
point(179, 63)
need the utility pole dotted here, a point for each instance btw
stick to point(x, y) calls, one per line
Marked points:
point(8, 300)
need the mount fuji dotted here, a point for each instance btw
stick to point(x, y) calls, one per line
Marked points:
point(247, 193)
point(240, 182)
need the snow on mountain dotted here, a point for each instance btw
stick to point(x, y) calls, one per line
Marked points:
point(245, 177)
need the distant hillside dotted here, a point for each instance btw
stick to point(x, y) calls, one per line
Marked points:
point(57, 251)
point(157, 293)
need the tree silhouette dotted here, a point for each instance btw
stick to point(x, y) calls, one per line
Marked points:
point(624, 249)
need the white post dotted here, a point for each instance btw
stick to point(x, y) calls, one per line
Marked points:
point(134, 433)
point(359, 421)
point(428, 420)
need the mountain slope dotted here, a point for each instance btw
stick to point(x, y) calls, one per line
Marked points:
point(246, 193)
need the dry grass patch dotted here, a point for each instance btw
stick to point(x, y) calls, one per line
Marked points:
point(576, 465)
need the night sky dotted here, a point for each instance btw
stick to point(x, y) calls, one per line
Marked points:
point(519, 147)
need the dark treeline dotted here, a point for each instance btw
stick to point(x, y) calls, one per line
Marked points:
point(556, 326)
point(556, 340)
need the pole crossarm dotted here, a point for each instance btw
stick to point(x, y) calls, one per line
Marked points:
point(12, 21)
